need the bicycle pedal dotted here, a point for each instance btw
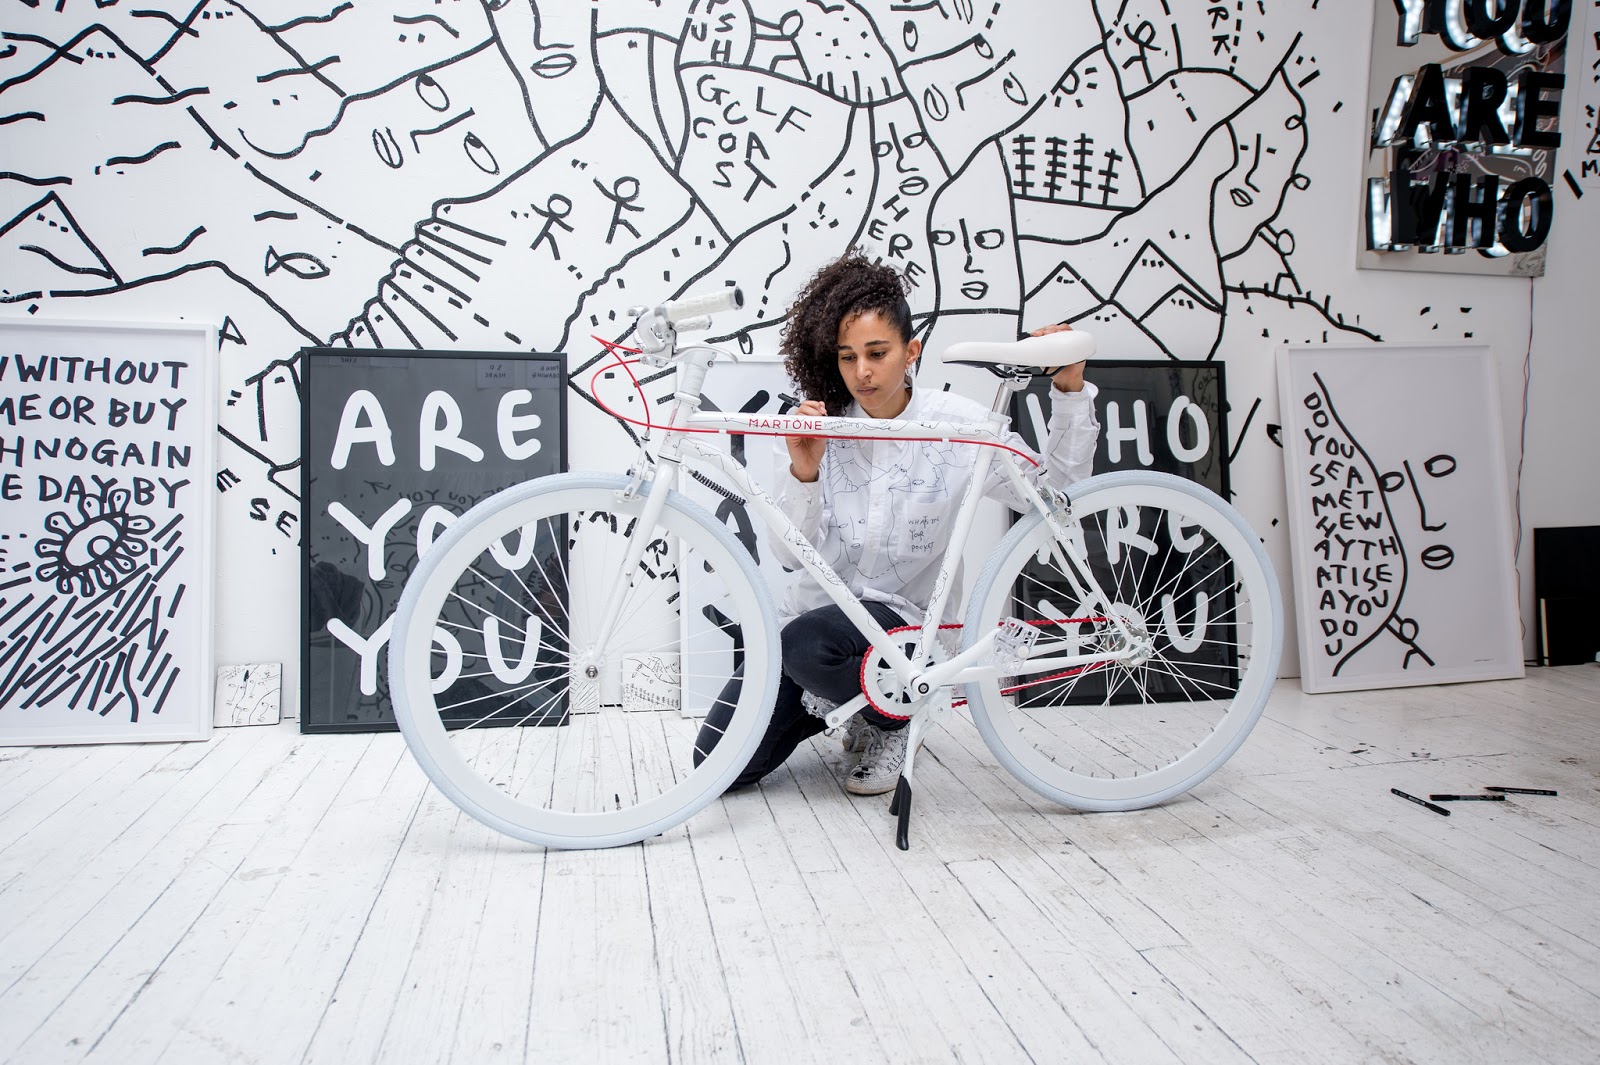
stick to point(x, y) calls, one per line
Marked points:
point(1013, 643)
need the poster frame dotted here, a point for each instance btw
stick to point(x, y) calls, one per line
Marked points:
point(309, 725)
point(1467, 372)
point(193, 707)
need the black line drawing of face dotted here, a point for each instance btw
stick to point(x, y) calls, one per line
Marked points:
point(974, 244)
point(1435, 556)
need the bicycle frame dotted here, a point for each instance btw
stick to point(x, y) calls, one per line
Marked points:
point(679, 448)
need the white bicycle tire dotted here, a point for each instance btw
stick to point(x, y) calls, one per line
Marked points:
point(420, 720)
point(995, 719)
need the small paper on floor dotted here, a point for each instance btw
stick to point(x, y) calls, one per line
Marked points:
point(250, 694)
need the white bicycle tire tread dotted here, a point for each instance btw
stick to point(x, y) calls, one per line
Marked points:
point(1240, 718)
point(421, 739)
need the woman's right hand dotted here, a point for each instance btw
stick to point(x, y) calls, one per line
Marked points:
point(805, 452)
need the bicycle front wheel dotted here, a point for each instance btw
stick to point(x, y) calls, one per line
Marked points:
point(563, 702)
point(1177, 564)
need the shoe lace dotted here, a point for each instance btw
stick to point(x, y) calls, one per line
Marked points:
point(875, 744)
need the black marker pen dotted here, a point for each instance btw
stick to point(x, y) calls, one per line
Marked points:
point(1467, 798)
point(1421, 802)
point(1521, 791)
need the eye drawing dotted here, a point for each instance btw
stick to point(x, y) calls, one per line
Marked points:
point(97, 549)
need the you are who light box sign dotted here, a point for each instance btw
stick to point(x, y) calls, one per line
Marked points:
point(1465, 97)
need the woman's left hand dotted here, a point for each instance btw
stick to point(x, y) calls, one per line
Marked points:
point(1068, 378)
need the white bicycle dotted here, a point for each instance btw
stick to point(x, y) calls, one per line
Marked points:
point(556, 650)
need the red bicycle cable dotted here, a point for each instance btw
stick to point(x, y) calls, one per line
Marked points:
point(650, 424)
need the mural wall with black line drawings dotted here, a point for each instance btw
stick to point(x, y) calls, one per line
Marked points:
point(1176, 175)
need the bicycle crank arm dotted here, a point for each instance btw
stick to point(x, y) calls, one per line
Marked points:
point(845, 711)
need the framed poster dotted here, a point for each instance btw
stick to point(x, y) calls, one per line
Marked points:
point(1465, 103)
point(396, 448)
point(1164, 417)
point(1169, 417)
point(1399, 517)
point(107, 433)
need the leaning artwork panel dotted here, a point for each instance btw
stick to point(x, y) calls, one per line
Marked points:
point(1399, 517)
point(106, 442)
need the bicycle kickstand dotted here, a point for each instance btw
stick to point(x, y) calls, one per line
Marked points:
point(900, 805)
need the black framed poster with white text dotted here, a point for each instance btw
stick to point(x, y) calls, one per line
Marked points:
point(397, 447)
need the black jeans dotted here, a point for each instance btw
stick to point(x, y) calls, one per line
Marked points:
point(822, 654)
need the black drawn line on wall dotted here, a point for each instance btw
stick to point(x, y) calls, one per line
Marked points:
point(303, 66)
point(57, 51)
point(1238, 443)
point(134, 160)
point(198, 90)
point(175, 249)
point(8, 175)
point(412, 20)
point(1254, 96)
point(305, 20)
point(51, 201)
point(21, 116)
point(60, 265)
point(188, 268)
point(216, 141)
point(440, 128)
point(182, 28)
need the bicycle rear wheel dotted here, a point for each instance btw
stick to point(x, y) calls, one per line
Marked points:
point(1175, 561)
point(518, 714)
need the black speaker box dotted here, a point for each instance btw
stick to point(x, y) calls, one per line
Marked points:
point(1566, 589)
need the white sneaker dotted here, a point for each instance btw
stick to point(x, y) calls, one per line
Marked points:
point(854, 739)
point(881, 761)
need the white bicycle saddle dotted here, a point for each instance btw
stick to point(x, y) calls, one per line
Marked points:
point(1044, 352)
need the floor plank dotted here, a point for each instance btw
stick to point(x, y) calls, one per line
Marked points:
point(276, 898)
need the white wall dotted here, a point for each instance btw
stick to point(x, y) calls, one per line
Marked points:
point(273, 204)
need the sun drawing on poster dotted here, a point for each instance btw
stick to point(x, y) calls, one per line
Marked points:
point(98, 549)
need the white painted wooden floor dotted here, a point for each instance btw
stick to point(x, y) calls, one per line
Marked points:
point(268, 897)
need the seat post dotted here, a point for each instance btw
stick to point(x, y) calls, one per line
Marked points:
point(1002, 395)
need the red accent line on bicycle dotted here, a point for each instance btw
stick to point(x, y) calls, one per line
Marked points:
point(648, 423)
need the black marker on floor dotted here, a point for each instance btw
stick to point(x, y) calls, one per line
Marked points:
point(1421, 802)
point(1521, 791)
point(1467, 798)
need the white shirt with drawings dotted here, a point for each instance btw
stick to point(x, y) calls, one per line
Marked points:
point(880, 510)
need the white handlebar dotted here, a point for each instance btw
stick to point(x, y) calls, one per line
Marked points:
point(729, 299)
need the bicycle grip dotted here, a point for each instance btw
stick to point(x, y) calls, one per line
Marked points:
point(729, 299)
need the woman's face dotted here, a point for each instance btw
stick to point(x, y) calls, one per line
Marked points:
point(873, 361)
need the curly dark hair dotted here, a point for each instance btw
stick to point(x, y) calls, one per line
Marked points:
point(850, 285)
